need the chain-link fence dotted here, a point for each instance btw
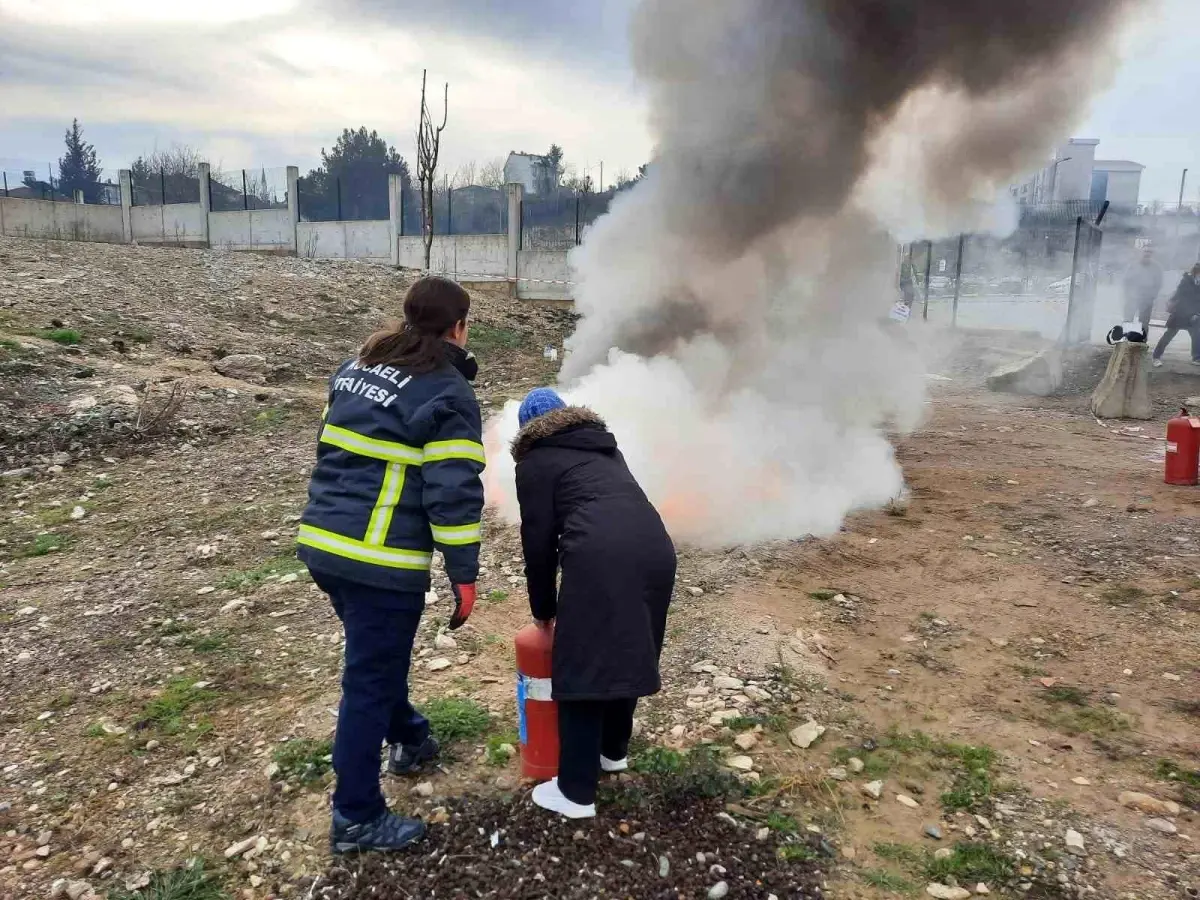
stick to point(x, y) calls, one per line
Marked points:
point(24, 180)
point(240, 189)
point(560, 221)
point(162, 188)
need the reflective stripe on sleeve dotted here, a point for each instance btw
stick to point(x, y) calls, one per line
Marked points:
point(360, 551)
point(388, 451)
point(457, 535)
point(461, 449)
point(389, 496)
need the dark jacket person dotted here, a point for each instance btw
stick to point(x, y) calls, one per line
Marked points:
point(1183, 313)
point(583, 513)
point(397, 477)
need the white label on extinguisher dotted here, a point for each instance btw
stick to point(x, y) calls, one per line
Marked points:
point(529, 689)
point(1172, 447)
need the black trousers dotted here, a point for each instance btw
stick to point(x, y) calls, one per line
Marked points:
point(1173, 328)
point(588, 729)
point(380, 628)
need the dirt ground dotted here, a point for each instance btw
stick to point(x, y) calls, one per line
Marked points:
point(1002, 672)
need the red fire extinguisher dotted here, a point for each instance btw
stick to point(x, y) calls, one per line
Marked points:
point(537, 713)
point(1183, 449)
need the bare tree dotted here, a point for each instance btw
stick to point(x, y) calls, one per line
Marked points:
point(467, 174)
point(492, 173)
point(429, 141)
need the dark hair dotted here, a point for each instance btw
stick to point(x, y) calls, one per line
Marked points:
point(432, 306)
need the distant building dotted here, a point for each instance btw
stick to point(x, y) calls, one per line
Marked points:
point(522, 168)
point(1074, 175)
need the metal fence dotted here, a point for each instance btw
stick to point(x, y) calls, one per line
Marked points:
point(240, 189)
point(25, 180)
point(560, 221)
point(163, 188)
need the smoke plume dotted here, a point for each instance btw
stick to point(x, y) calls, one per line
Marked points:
point(734, 302)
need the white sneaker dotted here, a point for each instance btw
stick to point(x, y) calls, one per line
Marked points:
point(1157, 363)
point(613, 765)
point(548, 796)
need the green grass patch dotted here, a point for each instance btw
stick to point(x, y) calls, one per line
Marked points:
point(973, 783)
point(486, 338)
point(1169, 770)
point(10, 345)
point(68, 337)
point(304, 759)
point(169, 711)
point(453, 720)
point(45, 544)
point(1123, 595)
point(797, 853)
point(496, 753)
point(138, 334)
point(497, 596)
point(772, 723)
point(777, 821)
point(899, 853)
point(189, 883)
point(272, 417)
point(823, 594)
point(971, 863)
point(284, 564)
point(886, 881)
point(659, 761)
point(207, 643)
point(1063, 694)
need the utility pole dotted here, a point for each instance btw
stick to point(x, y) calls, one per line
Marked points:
point(602, 178)
point(1179, 210)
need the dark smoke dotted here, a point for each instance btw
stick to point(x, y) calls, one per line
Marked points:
point(767, 108)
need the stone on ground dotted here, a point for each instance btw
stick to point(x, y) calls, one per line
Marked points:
point(1039, 376)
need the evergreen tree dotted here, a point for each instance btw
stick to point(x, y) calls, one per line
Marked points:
point(79, 170)
point(361, 161)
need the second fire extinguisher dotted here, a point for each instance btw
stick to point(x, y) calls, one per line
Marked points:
point(537, 713)
point(1183, 449)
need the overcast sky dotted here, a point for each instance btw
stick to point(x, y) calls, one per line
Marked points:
point(269, 82)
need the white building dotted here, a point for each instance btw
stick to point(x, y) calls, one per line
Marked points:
point(1075, 175)
point(522, 168)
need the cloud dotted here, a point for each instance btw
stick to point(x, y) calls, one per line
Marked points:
point(288, 80)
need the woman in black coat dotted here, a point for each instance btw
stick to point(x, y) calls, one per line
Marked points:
point(1183, 313)
point(584, 513)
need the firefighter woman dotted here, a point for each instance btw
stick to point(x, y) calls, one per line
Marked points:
point(397, 476)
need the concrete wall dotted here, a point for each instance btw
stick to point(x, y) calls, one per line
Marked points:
point(255, 229)
point(1123, 189)
point(60, 221)
point(345, 240)
point(534, 267)
point(457, 254)
point(175, 223)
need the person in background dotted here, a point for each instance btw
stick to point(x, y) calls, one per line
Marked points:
point(584, 513)
point(397, 475)
point(1183, 313)
point(1142, 284)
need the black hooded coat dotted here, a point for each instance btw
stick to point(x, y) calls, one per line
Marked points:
point(583, 511)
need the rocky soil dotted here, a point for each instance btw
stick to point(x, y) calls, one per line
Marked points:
point(994, 686)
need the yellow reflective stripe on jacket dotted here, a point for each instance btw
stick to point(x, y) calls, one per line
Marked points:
point(360, 551)
point(460, 449)
point(457, 535)
point(388, 451)
point(389, 496)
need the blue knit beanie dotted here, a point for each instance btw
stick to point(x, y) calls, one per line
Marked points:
point(538, 402)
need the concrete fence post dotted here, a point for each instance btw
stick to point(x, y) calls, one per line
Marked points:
point(126, 180)
point(395, 211)
point(79, 196)
point(516, 194)
point(293, 197)
point(204, 174)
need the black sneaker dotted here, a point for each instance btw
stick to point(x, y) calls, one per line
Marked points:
point(404, 760)
point(387, 833)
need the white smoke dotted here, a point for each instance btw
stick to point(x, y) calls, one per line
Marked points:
point(745, 282)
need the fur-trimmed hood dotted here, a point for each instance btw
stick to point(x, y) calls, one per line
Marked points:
point(556, 422)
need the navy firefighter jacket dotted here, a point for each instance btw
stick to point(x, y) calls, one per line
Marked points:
point(397, 474)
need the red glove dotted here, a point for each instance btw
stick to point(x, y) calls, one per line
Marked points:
point(464, 602)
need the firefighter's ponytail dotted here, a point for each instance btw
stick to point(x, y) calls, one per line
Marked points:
point(433, 306)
